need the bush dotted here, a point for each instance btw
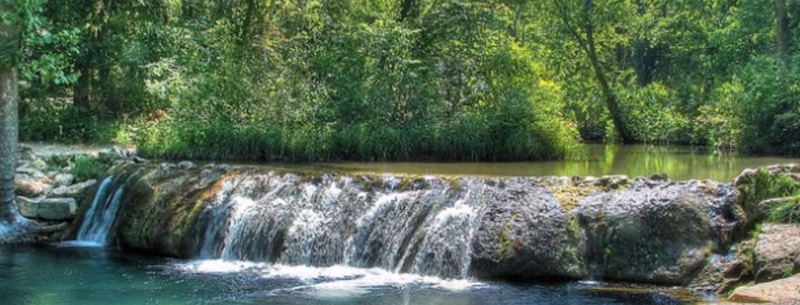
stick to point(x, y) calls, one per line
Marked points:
point(86, 168)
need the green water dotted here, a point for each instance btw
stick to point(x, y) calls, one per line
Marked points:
point(679, 163)
point(48, 275)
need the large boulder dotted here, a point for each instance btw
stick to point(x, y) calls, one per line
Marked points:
point(524, 233)
point(54, 209)
point(656, 232)
point(777, 252)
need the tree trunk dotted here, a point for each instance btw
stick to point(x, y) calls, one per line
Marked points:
point(9, 117)
point(611, 100)
point(782, 24)
point(81, 92)
point(9, 134)
point(642, 53)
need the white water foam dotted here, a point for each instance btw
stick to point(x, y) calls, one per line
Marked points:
point(329, 281)
point(79, 244)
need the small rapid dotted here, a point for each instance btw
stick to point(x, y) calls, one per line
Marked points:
point(101, 214)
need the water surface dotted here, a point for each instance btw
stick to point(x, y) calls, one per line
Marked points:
point(76, 274)
point(678, 162)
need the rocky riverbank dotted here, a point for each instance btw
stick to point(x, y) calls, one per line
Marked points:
point(50, 183)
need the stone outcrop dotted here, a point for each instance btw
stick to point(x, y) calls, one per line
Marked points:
point(785, 291)
point(52, 209)
point(624, 229)
point(776, 252)
point(45, 186)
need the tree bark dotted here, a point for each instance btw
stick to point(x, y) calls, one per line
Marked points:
point(81, 92)
point(9, 118)
point(9, 133)
point(782, 24)
point(587, 44)
point(642, 53)
point(611, 99)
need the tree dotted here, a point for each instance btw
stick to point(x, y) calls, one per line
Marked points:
point(583, 33)
point(782, 23)
point(9, 116)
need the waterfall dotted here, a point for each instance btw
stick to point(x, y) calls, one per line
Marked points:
point(337, 222)
point(451, 228)
point(102, 213)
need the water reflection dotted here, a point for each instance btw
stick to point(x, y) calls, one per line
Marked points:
point(679, 163)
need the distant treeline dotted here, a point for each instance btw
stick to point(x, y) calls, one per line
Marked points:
point(307, 80)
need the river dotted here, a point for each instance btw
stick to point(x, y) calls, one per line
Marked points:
point(87, 273)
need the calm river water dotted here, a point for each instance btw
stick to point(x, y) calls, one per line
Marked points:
point(679, 163)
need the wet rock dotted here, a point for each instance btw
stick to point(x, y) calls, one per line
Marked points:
point(139, 160)
point(224, 168)
point(525, 234)
point(648, 234)
point(186, 165)
point(776, 252)
point(63, 179)
point(53, 209)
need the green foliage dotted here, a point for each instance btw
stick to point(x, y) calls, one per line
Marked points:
point(397, 80)
point(762, 185)
point(86, 168)
point(786, 212)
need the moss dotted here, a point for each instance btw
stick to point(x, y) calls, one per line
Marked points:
point(569, 195)
point(506, 244)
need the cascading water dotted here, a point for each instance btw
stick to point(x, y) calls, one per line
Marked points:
point(102, 213)
point(278, 220)
point(430, 226)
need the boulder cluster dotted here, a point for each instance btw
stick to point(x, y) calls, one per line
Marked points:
point(46, 187)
